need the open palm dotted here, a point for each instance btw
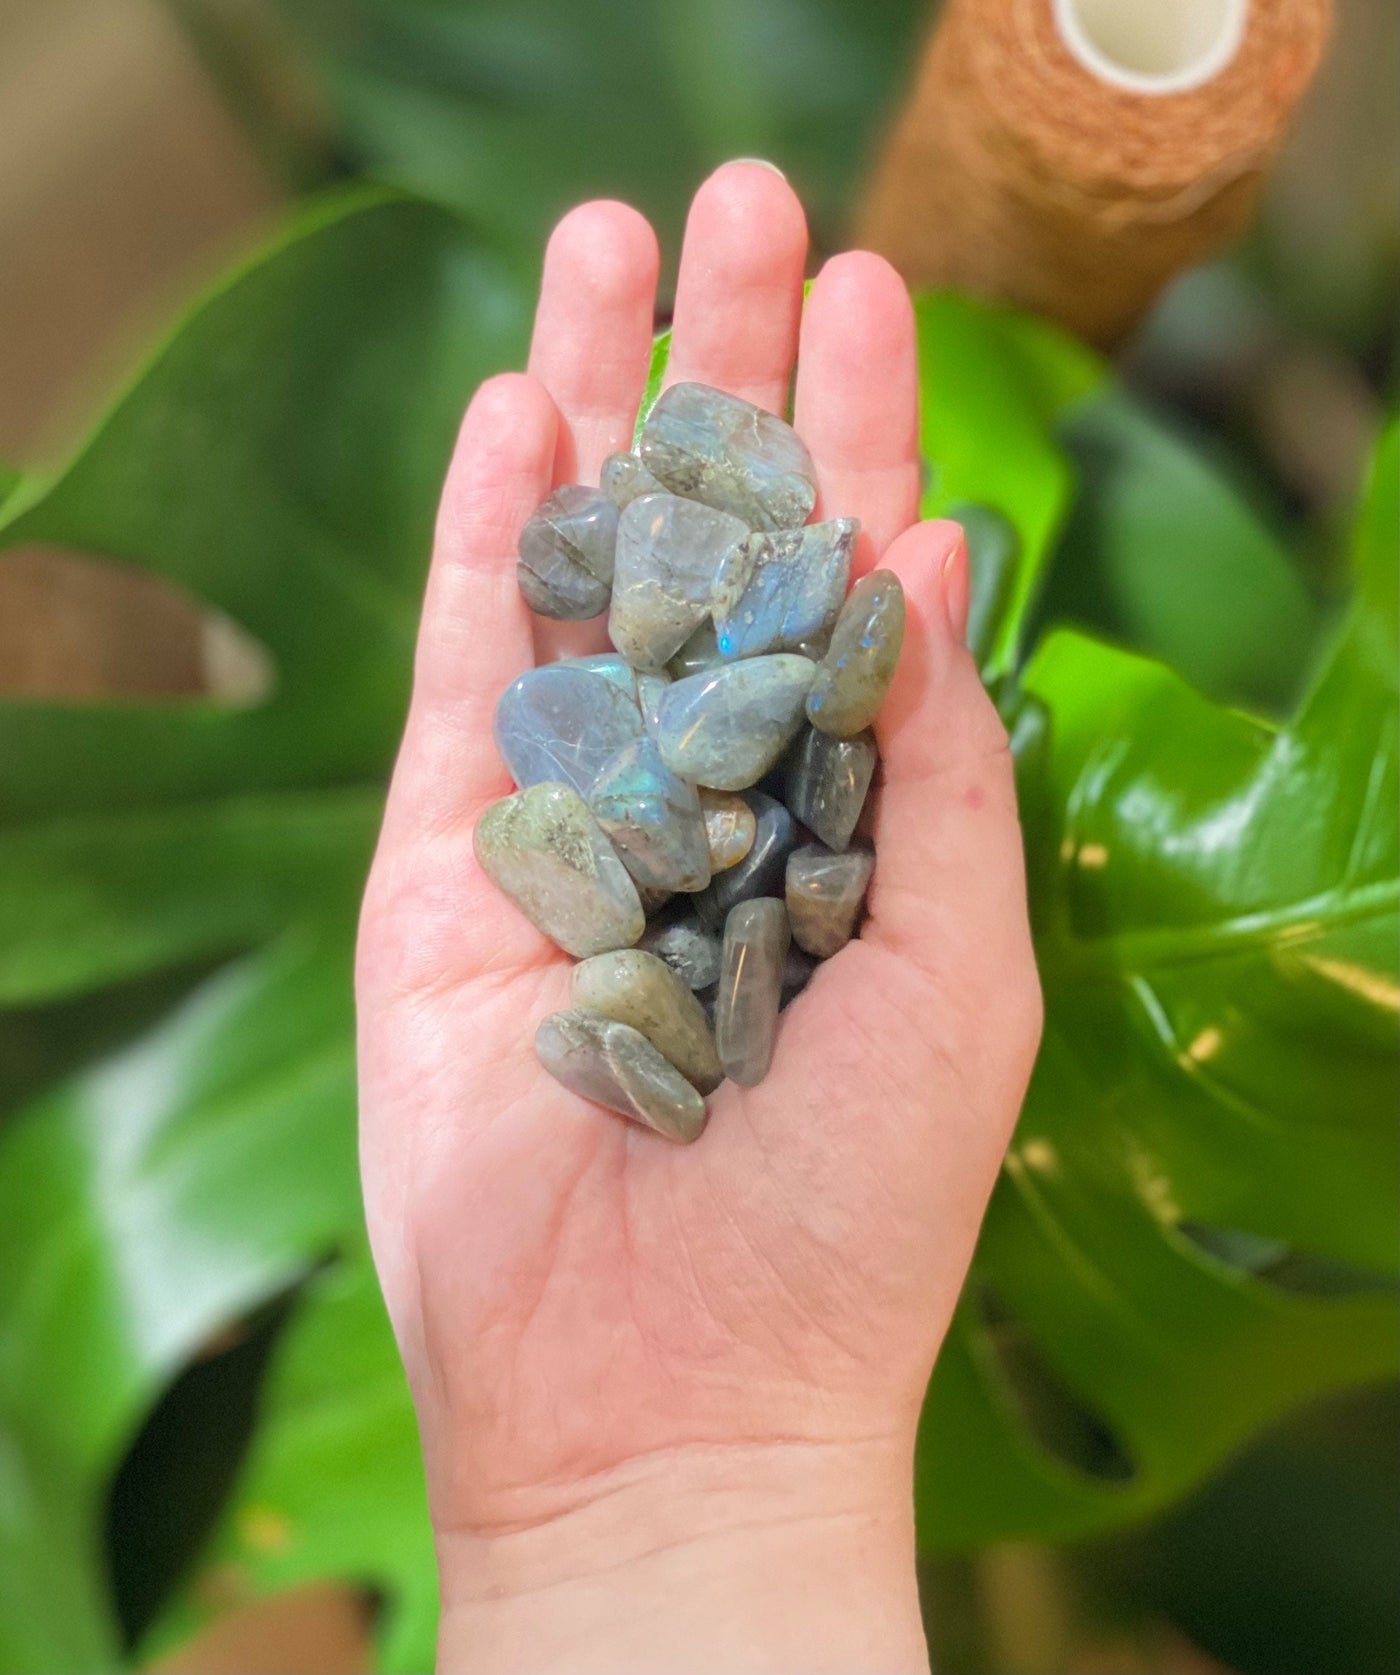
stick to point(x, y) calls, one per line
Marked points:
point(571, 1293)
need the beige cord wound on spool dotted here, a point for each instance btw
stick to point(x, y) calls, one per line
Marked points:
point(1016, 172)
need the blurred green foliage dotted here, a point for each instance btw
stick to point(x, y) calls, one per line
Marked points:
point(512, 113)
point(1198, 1208)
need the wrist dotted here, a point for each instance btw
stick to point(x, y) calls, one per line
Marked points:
point(776, 1556)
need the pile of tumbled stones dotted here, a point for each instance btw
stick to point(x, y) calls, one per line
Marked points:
point(688, 802)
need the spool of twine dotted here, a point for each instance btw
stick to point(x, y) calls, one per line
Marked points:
point(1016, 171)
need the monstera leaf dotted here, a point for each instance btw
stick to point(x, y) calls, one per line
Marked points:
point(1194, 1209)
point(278, 462)
point(1196, 1224)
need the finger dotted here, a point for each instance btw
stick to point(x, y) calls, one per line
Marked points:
point(949, 894)
point(591, 350)
point(593, 331)
point(739, 291)
point(474, 637)
point(857, 403)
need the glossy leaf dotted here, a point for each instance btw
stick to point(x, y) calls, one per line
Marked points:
point(1161, 552)
point(1215, 907)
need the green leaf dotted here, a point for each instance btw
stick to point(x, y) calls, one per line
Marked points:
point(992, 384)
point(9, 480)
point(142, 1208)
point(1197, 1214)
point(279, 458)
point(333, 1487)
point(1161, 552)
point(77, 909)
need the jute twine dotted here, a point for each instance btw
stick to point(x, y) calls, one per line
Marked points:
point(1015, 172)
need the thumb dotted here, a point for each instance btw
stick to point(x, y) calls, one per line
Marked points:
point(949, 890)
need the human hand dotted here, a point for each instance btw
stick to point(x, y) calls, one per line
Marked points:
point(668, 1395)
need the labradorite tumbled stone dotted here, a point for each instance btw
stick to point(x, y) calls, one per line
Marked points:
point(756, 940)
point(669, 551)
point(637, 988)
point(713, 447)
point(779, 591)
point(566, 554)
point(727, 726)
point(760, 873)
point(624, 479)
point(854, 676)
point(566, 721)
point(654, 819)
point(548, 854)
point(824, 895)
point(827, 780)
point(729, 827)
point(688, 947)
point(615, 1065)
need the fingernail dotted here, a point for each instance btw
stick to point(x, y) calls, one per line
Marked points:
point(955, 595)
point(761, 163)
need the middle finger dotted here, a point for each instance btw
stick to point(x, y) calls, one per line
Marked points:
point(739, 291)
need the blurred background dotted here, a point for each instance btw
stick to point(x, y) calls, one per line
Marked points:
point(147, 151)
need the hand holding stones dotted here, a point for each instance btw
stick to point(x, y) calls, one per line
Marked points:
point(739, 655)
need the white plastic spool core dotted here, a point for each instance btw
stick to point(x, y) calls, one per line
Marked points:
point(1153, 46)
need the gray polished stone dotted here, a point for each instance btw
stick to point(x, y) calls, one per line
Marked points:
point(726, 727)
point(756, 941)
point(854, 676)
point(624, 479)
point(778, 591)
point(711, 446)
point(690, 949)
point(548, 854)
point(654, 819)
point(825, 893)
point(761, 872)
point(566, 554)
point(637, 988)
point(615, 1065)
point(566, 721)
point(669, 551)
point(730, 827)
point(827, 781)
